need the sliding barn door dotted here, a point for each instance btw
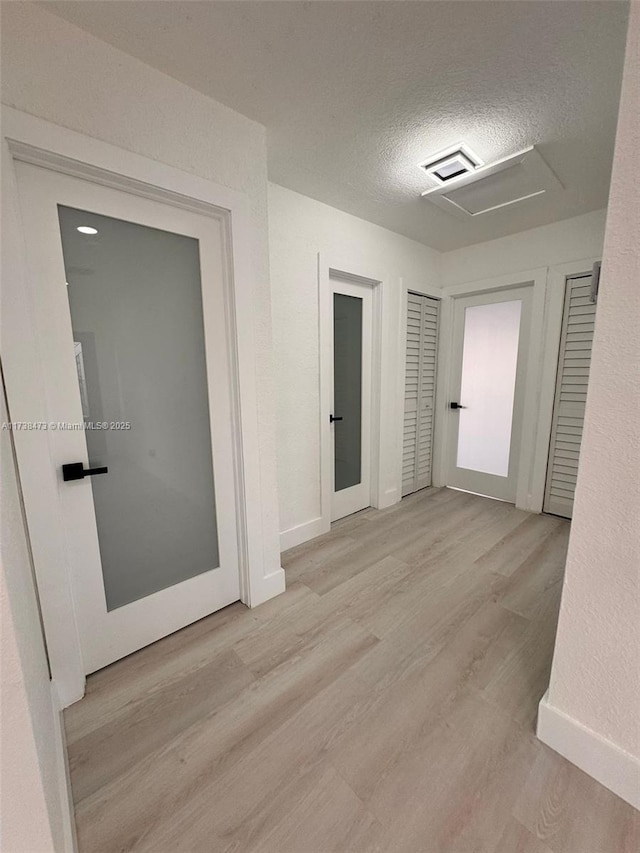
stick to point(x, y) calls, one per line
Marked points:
point(419, 391)
point(571, 395)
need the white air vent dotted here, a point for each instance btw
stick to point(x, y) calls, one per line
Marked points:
point(522, 176)
point(451, 164)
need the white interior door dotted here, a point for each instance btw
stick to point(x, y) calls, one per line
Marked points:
point(490, 334)
point(419, 391)
point(129, 305)
point(352, 307)
point(578, 323)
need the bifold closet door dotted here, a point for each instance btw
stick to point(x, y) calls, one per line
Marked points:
point(419, 391)
point(571, 395)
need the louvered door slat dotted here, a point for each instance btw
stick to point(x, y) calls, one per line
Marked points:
point(571, 393)
point(419, 394)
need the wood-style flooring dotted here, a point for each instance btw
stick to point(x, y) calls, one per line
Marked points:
point(386, 702)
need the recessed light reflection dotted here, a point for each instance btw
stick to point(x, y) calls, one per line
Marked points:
point(87, 229)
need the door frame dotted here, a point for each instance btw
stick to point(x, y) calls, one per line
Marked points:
point(33, 140)
point(508, 484)
point(535, 377)
point(326, 272)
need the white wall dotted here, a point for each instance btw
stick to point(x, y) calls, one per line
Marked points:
point(547, 246)
point(299, 229)
point(34, 816)
point(591, 711)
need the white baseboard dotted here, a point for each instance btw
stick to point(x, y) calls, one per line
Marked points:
point(303, 532)
point(270, 585)
point(388, 498)
point(69, 839)
point(613, 767)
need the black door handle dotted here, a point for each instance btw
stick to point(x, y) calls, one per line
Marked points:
point(332, 419)
point(76, 471)
point(456, 406)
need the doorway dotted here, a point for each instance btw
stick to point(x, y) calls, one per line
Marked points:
point(487, 391)
point(130, 311)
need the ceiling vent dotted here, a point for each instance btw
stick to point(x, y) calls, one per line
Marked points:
point(489, 188)
point(450, 164)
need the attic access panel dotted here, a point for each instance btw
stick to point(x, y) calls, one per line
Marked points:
point(522, 176)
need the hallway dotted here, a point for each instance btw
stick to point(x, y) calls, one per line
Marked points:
point(385, 702)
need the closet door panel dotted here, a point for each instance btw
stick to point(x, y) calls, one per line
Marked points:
point(571, 394)
point(419, 391)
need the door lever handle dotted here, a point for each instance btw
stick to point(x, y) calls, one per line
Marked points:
point(456, 406)
point(332, 419)
point(76, 471)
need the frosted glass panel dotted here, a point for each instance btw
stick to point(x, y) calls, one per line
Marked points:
point(136, 312)
point(347, 389)
point(489, 362)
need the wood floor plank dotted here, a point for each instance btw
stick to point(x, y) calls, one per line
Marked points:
point(515, 838)
point(158, 784)
point(539, 577)
point(436, 789)
point(384, 704)
point(388, 723)
point(507, 555)
point(153, 720)
point(570, 812)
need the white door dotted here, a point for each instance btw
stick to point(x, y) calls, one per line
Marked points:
point(419, 391)
point(352, 306)
point(578, 324)
point(130, 313)
point(491, 332)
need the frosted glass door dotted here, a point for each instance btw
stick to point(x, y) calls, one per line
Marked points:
point(136, 314)
point(351, 321)
point(490, 339)
point(489, 361)
point(130, 309)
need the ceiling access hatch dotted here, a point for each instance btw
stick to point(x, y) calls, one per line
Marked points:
point(517, 178)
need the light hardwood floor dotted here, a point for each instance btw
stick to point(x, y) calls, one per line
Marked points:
point(385, 702)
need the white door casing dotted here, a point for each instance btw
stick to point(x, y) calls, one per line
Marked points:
point(502, 487)
point(29, 139)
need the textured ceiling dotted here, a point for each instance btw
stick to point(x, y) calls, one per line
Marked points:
point(355, 94)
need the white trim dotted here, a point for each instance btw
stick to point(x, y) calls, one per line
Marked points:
point(603, 760)
point(303, 532)
point(388, 498)
point(70, 839)
point(328, 269)
point(64, 150)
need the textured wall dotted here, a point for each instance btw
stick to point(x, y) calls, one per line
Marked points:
point(596, 668)
point(558, 243)
point(299, 228)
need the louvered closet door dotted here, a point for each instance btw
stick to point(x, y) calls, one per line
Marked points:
point(419, 392)
point(571, 395)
